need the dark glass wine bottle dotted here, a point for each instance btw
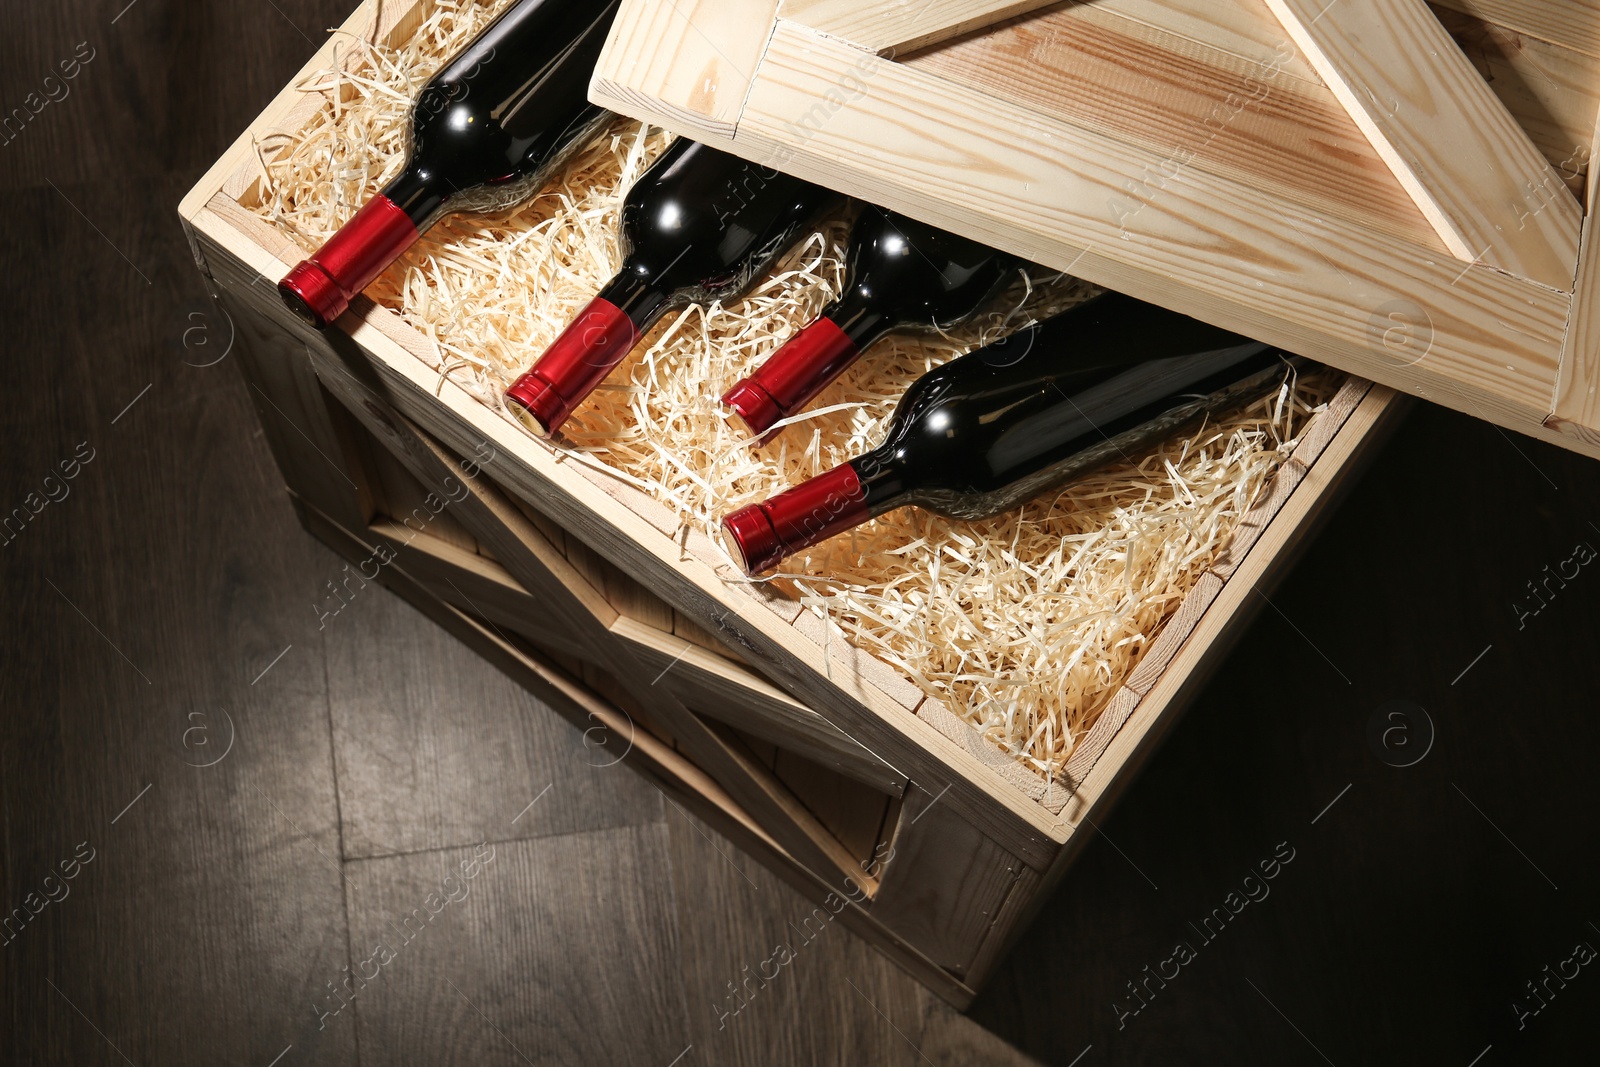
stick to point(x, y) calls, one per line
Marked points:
point(899, 273)
point(486, 132)
point(699, 225)
point(992, 429)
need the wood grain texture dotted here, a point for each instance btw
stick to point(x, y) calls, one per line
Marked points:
point(890, 26)
point(694, 57)
point(1252, 120)
point(1174, 632)
point(478, 967)
point(730, 694)
point(433, 752)
point(1572, 23)
point(1093, 744)
point(1455, 149)
point(1192, 48)
point(943, 883)
point(1575, 410)
point(1548, 88)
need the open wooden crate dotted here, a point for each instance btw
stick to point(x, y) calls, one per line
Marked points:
point(1336, 177)
point(829, 765)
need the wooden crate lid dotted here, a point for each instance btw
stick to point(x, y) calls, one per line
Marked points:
point(1336, 178)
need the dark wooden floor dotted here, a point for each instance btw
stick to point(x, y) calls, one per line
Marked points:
point(158, 617)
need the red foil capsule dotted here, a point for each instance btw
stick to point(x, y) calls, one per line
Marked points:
point(589, 349)
point(792, 376)
point(762, 535)
point(320, 288)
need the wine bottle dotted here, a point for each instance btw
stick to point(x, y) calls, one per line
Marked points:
point(899, 273)
point(990, 430)
point(699, 225)
point(486, 132)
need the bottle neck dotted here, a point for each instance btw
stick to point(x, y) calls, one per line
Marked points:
point(859, 317)
point(420, 194)
point(637, 293)
point(885, 484)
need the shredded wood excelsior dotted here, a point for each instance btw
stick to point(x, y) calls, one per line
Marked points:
point(1025, 625)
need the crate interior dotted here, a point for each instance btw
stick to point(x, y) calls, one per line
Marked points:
point(821, 606)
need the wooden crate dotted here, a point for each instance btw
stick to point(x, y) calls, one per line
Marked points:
point(1338, 178)
point(822, 761)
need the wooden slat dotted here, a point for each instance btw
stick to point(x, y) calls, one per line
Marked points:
point(1488, 192)
point(713, 686)
point(895, 26)
point(1249, 120)
point(1575, 408)
point(695, 57)
point(1262, 511)
point(1175, 631)
point(1572, 23)
point(944, 882)
point(1548, 88)
point(1326, 425)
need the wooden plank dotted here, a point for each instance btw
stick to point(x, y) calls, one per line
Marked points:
point(483, 964)
point(853, 812)
point(1488, 192)
point(1093, 744)
point(695, 57)
point(893, 26)
point(1248, 119)
point(1265, 508)
point(1575, 411)
point(1575, 408)
point(1548, 88)
point(1327, 424)
point(1175, 631)
point(727, 692)
point(475, 585)
point(1572, 23)
point(944, 880)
